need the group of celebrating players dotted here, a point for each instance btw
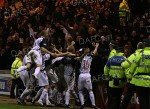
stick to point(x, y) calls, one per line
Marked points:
point(34, 71)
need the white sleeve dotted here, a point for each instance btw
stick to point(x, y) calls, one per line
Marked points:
point(56, 59)
point(66, 33)
point(47, 56)
point(37, 42)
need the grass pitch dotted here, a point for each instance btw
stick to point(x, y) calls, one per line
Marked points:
point(7, 103)
point(15, 106)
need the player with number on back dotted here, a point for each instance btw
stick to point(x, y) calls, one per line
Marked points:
point(85, 76)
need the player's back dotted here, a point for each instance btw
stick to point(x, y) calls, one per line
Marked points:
point(86, 64)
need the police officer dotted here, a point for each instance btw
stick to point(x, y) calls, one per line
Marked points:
point(16, 81)
point(112, 46)
point(116, 76)
point(140, 73)
point(130, 87)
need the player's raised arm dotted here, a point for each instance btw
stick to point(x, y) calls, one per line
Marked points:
point(55, 49)
point(96, 47)
point(62, 54)
point(54, 54)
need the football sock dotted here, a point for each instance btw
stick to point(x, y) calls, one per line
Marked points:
point(92, 98)
point(67, 97)
point(81, 97)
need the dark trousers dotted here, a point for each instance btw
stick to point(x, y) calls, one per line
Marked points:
point(114, 97)
point(19, 87)
point(18, 84)
point(130, 91)
point(144, 97)
point(13, 86)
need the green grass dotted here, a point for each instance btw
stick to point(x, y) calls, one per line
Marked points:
point(15, 106)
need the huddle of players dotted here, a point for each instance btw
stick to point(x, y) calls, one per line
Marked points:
point(33, 71)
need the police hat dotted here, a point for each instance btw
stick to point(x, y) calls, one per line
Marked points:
point(146, 41)
point(119, 49)
point(140, 45)
point(113, 43)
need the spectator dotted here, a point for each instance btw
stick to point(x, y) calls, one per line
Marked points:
point(66, 23)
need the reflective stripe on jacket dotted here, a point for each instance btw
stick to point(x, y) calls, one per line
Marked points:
point(127, 63)
point(113, 69)
point(140, 69)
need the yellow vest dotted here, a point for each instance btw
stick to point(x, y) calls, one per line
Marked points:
point(15, 65)
point(140, 69)
point(123, 9)
point(112, 53)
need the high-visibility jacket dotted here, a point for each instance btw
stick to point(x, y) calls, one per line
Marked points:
point(15, 65)
point(114, 71)
point(112, 53)
point(127, 63)
point(123, 9)
point(140, 69)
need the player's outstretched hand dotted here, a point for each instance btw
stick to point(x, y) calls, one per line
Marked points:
point(97, 44)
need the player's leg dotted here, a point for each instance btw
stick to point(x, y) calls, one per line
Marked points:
point(37, 58)
point(22, 76)
point(48, 103)
point(60, 86)
point(37, 96)
point(53, 93)
point(52, 76)
point(40, 101)
point(59, 95)
point(80, 88)
point(67, 93)
point(25, 79)
point(70, 88)
point(43, 81)
point(37, 70)
point(72, 85)
point(88, 85)
point(53, 79)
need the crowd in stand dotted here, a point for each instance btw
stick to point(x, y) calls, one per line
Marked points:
point(68, 22)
